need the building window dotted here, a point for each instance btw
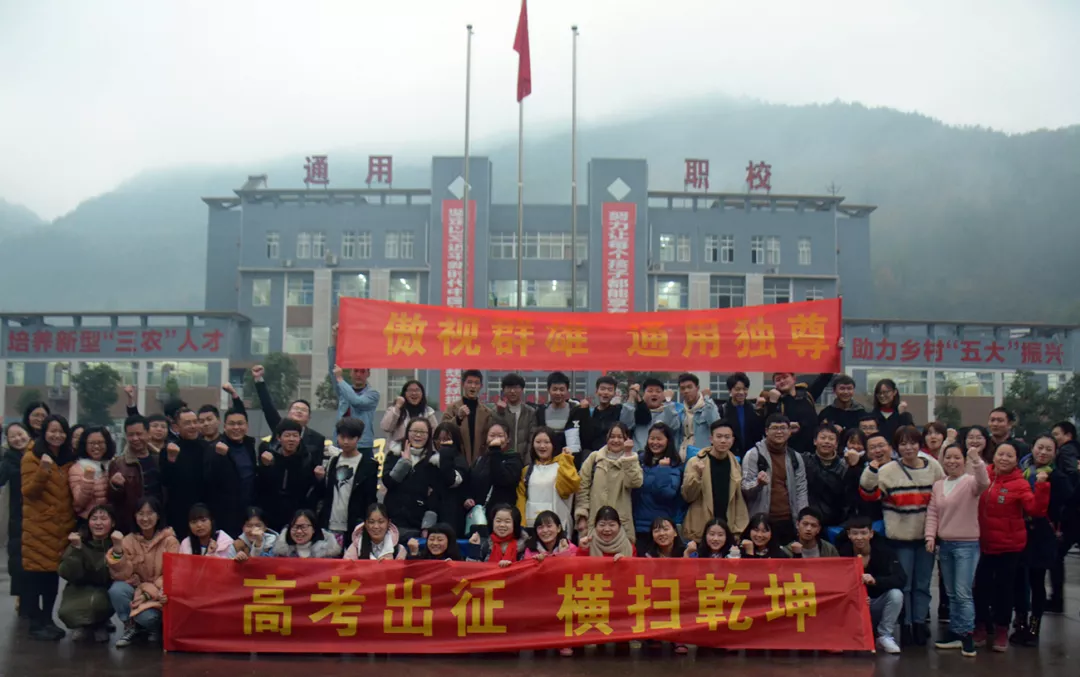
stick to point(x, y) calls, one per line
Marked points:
point(273, 243)
point(815, 293)
point(911, 382)
point(407, 245)
point(260, 292)
point(363, 245)
point(502, 246)
point(777, 290)
point(405, 288)
point(968, 383)
point(187, 374)
point(16, 373)
point(393, 246)
point(301, 291)
point(260, 340)
point(535, 386)
point(727, 249)
point(318, 245)
point(682, 249)
point(298, 341)
point(672, 294)
point(303, 245)
point(538, 294)
point(553, 247)
point(348, 245)
point(712, 249)
point(772, 251)
point(667, 248)
point(395, 381)
point(757, 250)
point(350, 286)
point(727, 292)
point(805, 252)
point(718, 384)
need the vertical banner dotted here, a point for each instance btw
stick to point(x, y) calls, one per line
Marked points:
point(455, 271)
point(618, 220)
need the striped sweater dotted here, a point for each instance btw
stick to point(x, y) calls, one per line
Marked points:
point(904, 494)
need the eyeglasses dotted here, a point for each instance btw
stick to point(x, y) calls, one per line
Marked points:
point(96, 443)
point(778, 429)
point(302, 527)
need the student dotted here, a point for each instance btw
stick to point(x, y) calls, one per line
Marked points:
point(888, 409)
point(348, 486)
point(184, 470)
point(311, 442)
point(285, 479)
point(85, 607)
point(556, 412)
point(712, 484)
point(257, 540)
point(717, 543)
point(159, 433)
point(16, 442)
point(376, 538)
point(136, 562)
point(596, 418)
point(745, 421)
point(952, 526)
point(809, 544)
point(441, 545)
point(1003, 537)
point(904, 488)
point(88, 476)
point(231, 474)
point(548, 482)
point(826, 474)
point(868, 424)
point(515, 414)
point(34, 416)
point(205, 538)
point(496, 473)
point(47, 519)
point(506, 544)
point(608, 537)
point(758, 541)
point(607, 479)
point(412, 479)
point(454, 477)
point(844, 412)
point(774, 478)
point(1064, 433)
point(358, 400)
point(209, 418)
point(698, 413)
point(135, 474)
point(549, 539)
point(937, 437)
point(662, 477)
point(883, 577)
point(798, 402)
point(646, 406)
point(664, 540)
point(305, 540)
point(472, 418)
point(410, 405)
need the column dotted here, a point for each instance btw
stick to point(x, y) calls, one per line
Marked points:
point(999, 389)
point(3, 388)
point(698, 299)
point(755, 296)
point(380, 291)
point(226, 401)
point(320, 329)
point(141, 376)
point(73, 403)
point(931, 394)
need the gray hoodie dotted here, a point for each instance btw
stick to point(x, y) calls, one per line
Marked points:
point(758, 495)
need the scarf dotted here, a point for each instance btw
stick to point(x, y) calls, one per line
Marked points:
point(619, 545)
point(503, 548)
point(688, 426)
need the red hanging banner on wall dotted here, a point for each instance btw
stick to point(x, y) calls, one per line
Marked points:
point(455, 235)
point(619, 220)
point(798, 337)
point(270, 605)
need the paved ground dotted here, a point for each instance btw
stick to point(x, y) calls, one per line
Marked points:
point(1057, 657)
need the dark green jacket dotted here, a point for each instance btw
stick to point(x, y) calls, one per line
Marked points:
point(85, 601)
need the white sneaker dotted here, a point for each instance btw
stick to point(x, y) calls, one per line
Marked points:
point(888, 644)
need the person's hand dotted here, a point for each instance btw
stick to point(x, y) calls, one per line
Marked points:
point(628, 447)
point(117, 541)
point(902, 408)
point(88, 473)
point(399, 402)
point(635, 393)
point(241, 557)
point(266, 458)
point(582, 525)
point(867, 579)
point(584, 403)
point(852, 457)
point(840, 343)
point(665, 461)
point(117, 480)
point(774, 395)
point(839, 429)
point(950, 436)
point(320, 473)
point(618, 556)
point(584, 541)
point(564, 544)
point(257, 538)
point(475, 538)
point(931, 544)
point(699, 466)
point(130, 392)
point(796, 548)
point(669, 395)
point(691, 548)
point(876, 464)
point(211, 547)
point(463, 412)
point(387, 557)
point(762, 477)
point(1042, 477)
point(257, 373)
point(414, 547)
point(973, 455)
point(221, 448)
point(748, 546)
point(567, 451)
point(501, 403)
point(228, 388)
point(503, 563)
point(539, 557)
point(172, 450)
point(469, 504)
point(794, 427)
point(405, 454)
point(759, 403)
point(75, 540)
point(47, 462)
point(338, 373)
point(707, 392)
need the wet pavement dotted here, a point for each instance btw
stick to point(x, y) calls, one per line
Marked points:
point(1058, 656)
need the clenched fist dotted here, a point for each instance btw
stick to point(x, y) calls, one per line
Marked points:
point(267, 458)
point(75, 540)
point(117, 480)
point(257, 372)
point(320, 472)
point(399, 402)
point(762, 477)
point(117, 541)
point(221, 448)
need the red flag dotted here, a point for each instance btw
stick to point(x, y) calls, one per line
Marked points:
point(521, 46)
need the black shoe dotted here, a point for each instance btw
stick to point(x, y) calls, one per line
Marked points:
point(44, 633)
point(920, 633)
point(1033, 632)
point(967, 645)
point(906, 638)
point(1021, 635)
point(943, 614)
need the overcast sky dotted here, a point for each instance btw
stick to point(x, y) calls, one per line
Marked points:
point(93, 92)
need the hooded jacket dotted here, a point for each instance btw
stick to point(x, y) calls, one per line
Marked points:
point(639, 418)
point(223, 546)
point(85, 601)
point(659, 494)
point(697, 419)
point(142, 565)
point(1003, 507)
point(356, 548)
point(698, 492)
point(88, 492)
point(48, 516)
point(758, 496)
point(609, 479)
point(325, 548)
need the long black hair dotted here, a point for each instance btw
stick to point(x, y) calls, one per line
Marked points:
point(649, 459)
point(452, 550)
point(365, 541)
point(110, 444)
point(7, 435)
point(199, 511)
point(408, 410)
point(154, 504)
point(891, 384)
point(677, 545)
point(542, 430)
point(773, 549)
point(429, 447)
point(316, 532)
point(545, 517)
point(703, 549)
point(26, 417)
point(450, 429)
point(63, 456)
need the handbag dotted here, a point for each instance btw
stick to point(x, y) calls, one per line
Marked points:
point(477, 516)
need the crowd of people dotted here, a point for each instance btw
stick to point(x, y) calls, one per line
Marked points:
point(657, 474)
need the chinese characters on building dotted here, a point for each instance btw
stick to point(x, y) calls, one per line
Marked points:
point(317, 170)
point(133, 342)
point(454, 288)
point(942, 352)
point(758, 176)
point(380, 170)
point(619, 219)
point(697, 175)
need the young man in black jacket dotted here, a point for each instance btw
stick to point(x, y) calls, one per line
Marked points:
point(883, 577)
point(312, 442)
point(845, 412)
point(556, 413)
point(286, 475)
point(825, 472)
point(231, 476)
point(594, 419)
point(748, 424)
point(798, 402)
point(349, 485)
point(184, 468)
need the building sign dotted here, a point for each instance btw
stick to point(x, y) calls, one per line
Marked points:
point(758, 176)
point(454, 271)
point(143, 342)
point(380, 169)
point(318, 171)
point(618, 221)
point(697, 175)
point(975, 353)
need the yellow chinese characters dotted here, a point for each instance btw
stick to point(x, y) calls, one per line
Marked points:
point(648, 340)
point(704, 337)
point(714, 595)
point(643, 602)
point(797, 598)
point(340, 599)
point(404, 334)
point(268, 611)
point(507, 337)
point(475, 613)
point(408, 602)
point(808, 335)
point(755, 339)
point(459, 336)
point(586, 604)
point(568, 340)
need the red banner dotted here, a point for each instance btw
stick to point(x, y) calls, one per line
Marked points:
point(272, 605)
point(455, 235)
point(799, 337)
point(619, 220)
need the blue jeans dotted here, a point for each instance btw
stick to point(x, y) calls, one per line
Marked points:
point(121, 594)
point(919, 567)
point(885, 611)
point(958, 562)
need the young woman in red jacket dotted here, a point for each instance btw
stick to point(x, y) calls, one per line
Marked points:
point(1003, 537)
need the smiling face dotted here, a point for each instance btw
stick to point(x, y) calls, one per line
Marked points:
point(209, 424)
point(18, 438)
point(55, 435)
point(502, 525)
point(657, 443)
point(547, 532)
point(722, 439)
point(909, 451)
point(845, 392)
point(376, 525)
point(1005, 459)
point(868, 427)
point(975, 439)
point(607, 529)
point(953, 462)
point(616, 439)
point(664, 535)
point(1043, 451)
point(999, 425)
point(654, 396)
point(146, 518)
point(784, 381)
point(885, 394)
point(543, 447)
point(100, 525)
point(95, 446)
point(236, 427)
point(419, 433)
point(414, 394)
point(37, 417)
point(715, 538)
point(159, 430)
point(300, 412)
point(188, 425)
point(437, 544)
point(738, 394)
point(760, 535)
point(689, 392)
point(825, 444)
point(302, 530)
point(877, 449)
point(778, 434)
point(558, 393)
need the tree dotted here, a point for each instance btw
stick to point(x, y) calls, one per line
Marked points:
point(97, 387)
point(282, 378)
point(1036, 409)
point(326, 394)
point(28, 396)
point(945, 410)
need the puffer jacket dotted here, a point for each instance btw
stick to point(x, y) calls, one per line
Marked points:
point(609, 479)
point(1002, 509)
point(826, 489)
point(356, 546)
point(88, 491)
point(141, 566)
point(327, 548)
point(658, 495)
point(394, 430)
point(85, 601)
point(11, 474)
point(48, 516)
point(410, 488)
point(223, 546)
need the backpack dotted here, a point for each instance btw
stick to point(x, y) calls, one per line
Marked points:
point(763, 465)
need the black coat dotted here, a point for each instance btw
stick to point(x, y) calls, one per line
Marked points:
point(410, 492)
point(1041, 551)
point(313, 443)
point(497, 474)
point(594, 424)
point(184, 481)
point(889, 426)
point(827, 488)
point(284, 486)
point(884, 566)
point(801, 408)
point(754, 432)
point(365, 491)
point(224, 490)
point(856, 504)
point(845, 418)
point(449, 499)
point(10, 474)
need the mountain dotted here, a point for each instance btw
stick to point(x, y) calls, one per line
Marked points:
point(972, 224)
point(16, 219)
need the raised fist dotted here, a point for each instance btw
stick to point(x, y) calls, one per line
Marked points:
point(338, 373)
point(221, 448)
point(172, 450)
point(763, 477)
point(47, 461)
point(88, 473)
point(399, 402)
point(475, 538)
point(463, 412)
point(902, 408)
point(852, 457)
point(320, 472)
point(774, 395)
point(414, 547)
point(1042, 477)
point(117, 480)
point(584, 403)
point(707, 392)
point(117, 540)
point(665, 461)
point(75, 540)
point(266, 458)
point(796, 548)
point(691, 548)
point(257, 372)
point(130, 392)
point(228, 387)
point(748, 547)
point(628, 446)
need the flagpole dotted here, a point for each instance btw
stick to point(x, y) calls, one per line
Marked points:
point(573, 174)
point(521, 198)
point(465, 201)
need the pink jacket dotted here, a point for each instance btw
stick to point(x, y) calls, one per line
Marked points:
point(87, 493)
point(570, 550)
point(223, 546)
point(956, 517)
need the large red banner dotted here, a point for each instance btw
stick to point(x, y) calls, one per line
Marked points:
point(799, 337)
point(618, 222)
point(272, 605)
point(455, 235)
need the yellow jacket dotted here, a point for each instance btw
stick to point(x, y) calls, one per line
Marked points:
point(566, 483)
point(608, 479)
point(697, 490)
